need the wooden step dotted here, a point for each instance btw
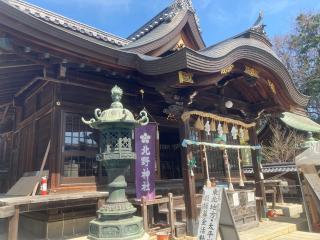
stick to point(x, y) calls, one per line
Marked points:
point(270, 230)
point(298, 235)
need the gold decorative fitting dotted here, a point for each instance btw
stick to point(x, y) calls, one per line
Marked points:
point(227, 70)
point(251, 72)
point(185, 77)
point(272, 87)
point(180, 45)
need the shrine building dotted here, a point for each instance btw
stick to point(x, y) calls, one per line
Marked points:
point(54, 71)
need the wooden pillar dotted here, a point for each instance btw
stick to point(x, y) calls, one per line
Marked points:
point(13, 225)
point(259, 184)
point(54, 160)
point(144, 211)
point(171, 214)
point(189, 184)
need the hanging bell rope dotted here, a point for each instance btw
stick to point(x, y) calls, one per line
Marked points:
point(227, 166)
point(241, 183)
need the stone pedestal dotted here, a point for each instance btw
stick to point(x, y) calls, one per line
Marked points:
point(124, 229)
point(116, 220)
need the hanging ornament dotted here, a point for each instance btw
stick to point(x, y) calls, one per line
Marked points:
point(199, 124)
point(234, 132)
point(220, 130)
point(241, 134)
point(246, 135)
point(213, 126)
point(192, 163)
point(207, 128)
point(225, 128)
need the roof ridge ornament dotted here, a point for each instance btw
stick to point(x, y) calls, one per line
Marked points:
point(185, 5)
point(165, 16)
point(258, 25)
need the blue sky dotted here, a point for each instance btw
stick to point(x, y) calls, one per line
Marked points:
point(219, 19)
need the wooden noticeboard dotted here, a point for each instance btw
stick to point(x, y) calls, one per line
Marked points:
point(215, 215)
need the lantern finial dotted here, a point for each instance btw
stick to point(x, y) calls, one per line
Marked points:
point(116, 95)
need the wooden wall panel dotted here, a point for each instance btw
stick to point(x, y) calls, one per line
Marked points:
point(25, 149)
point(43, 134)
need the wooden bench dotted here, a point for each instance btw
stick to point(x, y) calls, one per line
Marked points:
point(179, 208)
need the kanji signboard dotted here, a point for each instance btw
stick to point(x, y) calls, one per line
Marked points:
point(145, 142)
point(216, 216)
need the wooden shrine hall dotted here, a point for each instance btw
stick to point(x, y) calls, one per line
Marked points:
point(54, 70)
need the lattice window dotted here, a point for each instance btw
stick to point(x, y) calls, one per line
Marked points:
point(118, 140)
point(80, 148)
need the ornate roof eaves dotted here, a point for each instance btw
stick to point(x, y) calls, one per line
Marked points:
point(66, 23)
point(165, 16)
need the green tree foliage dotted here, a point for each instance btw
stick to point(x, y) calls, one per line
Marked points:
point(300, 52)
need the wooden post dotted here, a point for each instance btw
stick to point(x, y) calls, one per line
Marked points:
point(189, 184)
point(13, 225)
point(259, 184)
point(144, 211)
point(55, 161)
point(171, 214)
point(279, 193)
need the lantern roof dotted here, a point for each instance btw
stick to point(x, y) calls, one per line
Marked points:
point(116, 113)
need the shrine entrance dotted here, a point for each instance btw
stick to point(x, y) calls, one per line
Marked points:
point(170, 153)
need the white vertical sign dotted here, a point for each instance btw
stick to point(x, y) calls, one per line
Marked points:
point(210, 213)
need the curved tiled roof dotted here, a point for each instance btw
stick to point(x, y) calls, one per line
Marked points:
point(223, 48)
point(276, 168)
point(165, 15)
point(221, 55)
point(164, 27)
point(54, 28)
point(68, 24)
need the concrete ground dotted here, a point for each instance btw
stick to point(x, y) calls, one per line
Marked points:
point(281, 228)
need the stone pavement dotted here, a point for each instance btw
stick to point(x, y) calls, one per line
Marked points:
point(281, 228)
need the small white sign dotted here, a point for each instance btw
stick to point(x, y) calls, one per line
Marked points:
point(235, 198)
point(251, 197)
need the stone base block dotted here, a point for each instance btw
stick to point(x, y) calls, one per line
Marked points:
point(33, 228)
point(294, 210)
point(124, 229)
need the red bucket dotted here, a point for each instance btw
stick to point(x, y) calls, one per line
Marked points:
point(163, 236)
